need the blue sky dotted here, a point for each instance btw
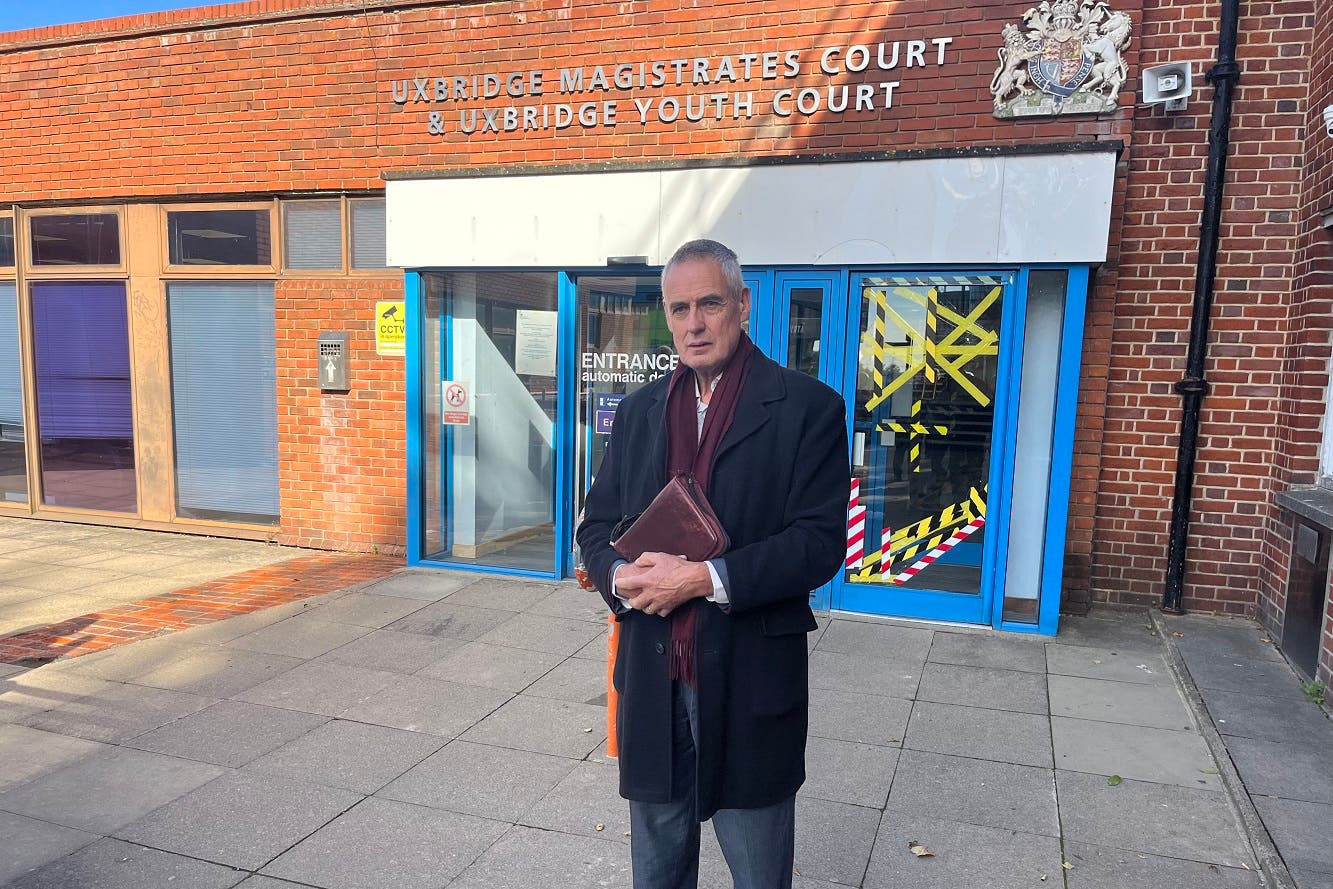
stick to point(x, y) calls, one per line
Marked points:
point(18, 14)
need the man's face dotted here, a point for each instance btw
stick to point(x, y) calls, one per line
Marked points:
point(704, 319)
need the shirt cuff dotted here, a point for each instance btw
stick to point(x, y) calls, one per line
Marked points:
point(619, 598)
point(719, 586)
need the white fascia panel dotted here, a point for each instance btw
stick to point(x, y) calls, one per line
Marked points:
point(522, 221)
point(969, 210)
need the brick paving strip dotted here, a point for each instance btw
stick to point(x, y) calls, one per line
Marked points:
point(194, 606)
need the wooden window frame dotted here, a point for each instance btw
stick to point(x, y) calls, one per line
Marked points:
point(32, 272)
point(345, 220)
point(387, 271)
point(198, 272)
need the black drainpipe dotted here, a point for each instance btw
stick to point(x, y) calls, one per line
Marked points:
point(1193, 386)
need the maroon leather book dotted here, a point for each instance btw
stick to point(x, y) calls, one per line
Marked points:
point(679, 522)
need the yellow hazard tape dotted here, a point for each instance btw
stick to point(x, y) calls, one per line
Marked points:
point(921, 536)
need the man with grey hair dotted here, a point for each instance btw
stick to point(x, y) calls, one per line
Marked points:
point(712, 664)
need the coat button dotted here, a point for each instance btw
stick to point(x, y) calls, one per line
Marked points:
point(661, 649)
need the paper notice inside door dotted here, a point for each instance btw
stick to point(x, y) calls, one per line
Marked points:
point(534, 342)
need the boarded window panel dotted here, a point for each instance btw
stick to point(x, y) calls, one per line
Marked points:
point(313, 235)
point(368, 235)
point(224, 398)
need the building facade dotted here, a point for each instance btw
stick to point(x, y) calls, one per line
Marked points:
point(941, 211)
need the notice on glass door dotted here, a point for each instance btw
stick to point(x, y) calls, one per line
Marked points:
point(534, 342)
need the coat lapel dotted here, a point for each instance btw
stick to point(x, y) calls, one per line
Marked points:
point(657, 433)
point(763, 387)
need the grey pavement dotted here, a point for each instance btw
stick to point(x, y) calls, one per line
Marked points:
point(436, 729)
point(1278, 740)
point(53, 571)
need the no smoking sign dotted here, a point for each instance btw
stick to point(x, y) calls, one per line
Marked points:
point(456, 402)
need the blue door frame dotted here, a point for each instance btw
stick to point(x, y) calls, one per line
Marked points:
point(771, 297)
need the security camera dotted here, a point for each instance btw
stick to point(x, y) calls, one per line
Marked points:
point(1328, 119)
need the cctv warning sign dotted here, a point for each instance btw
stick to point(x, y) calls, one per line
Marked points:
point(390, 329)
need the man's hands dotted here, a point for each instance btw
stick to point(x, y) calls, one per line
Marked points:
point(658, 583)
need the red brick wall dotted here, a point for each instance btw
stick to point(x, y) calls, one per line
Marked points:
point(342, 456)
point(1250, 317)
point(274, 101)
point(1305, 376)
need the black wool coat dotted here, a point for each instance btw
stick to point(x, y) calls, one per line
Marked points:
point(779, 487)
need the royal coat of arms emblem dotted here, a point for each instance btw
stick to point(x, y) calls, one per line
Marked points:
point(1069, 59)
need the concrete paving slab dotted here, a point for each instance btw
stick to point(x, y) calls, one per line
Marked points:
point(452, 621)
point(12, 670)
point(526, 857)
point(416, 704)
point(569, 600)
point(845, 772)
point(1133, 751)
point(864, 719)
point(833, 840)
point(138, 563)
point(886, 641)
point(63, 578)
point(1127, 630)
point(1100, 867)
point(1027, 655)
point(216, 673)
point(861, 674)
point(966, 855)
point(575, 679)
point(974, 791)
point(560, 728)
point(14, 595)
point(999, 735)
point(1269, 718)
point(28, 753)
point(977, 687)
point(1213, 672)
point(536, 632)
point(425, 584)
point(28, 844)
point(481, 780)
point(586, 797)
point(1106, 663)
point(303, 636)
point(1128, 703)
point(502, 593)
point(261, 882)
point(113, 864)
point(1293, 771)
point(125, 662)
point(393, 651)
point(1308, 879)
point(107, 789)
point(223, 631)
point(118, 713)
point(362, 609)
point(1227, 637)
point(350, 755)
point(35, 691)
point(324, 688)
point(1142, 816)
point(386, 843)
point(492, 666)
point(1300, 830)
point(240, 820)
point(229, 733)
point(596, 650)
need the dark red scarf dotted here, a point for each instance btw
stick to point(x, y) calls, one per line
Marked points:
point(689, 451)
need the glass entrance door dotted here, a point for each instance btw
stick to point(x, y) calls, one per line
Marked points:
point(490, 418)
point(925, 386)
point(624, 344)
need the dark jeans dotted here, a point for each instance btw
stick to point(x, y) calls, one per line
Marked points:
point(664, 837)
